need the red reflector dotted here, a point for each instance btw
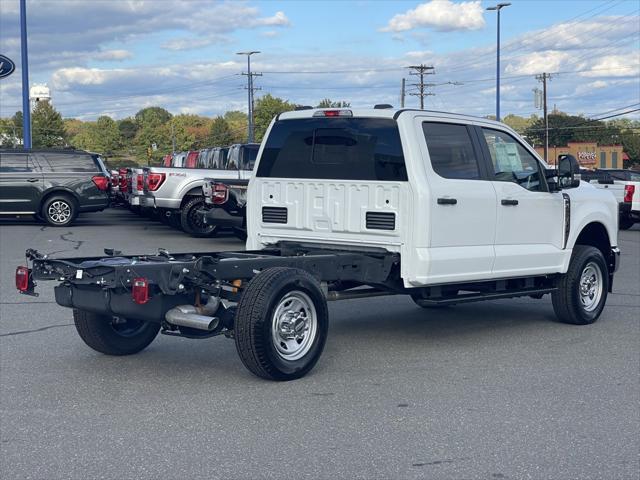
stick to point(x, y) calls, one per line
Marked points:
point(154, 180)
point(629, 190)
point(333, 113)
point(220, 193)
point(139, 182)
point(140, 291)
point(101, 182)
point(22, 279)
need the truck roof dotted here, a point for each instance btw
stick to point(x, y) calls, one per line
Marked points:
point(392, 113)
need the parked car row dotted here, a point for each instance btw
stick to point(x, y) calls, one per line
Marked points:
point(174, 192)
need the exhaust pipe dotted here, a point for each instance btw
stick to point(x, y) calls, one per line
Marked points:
point(200, 318)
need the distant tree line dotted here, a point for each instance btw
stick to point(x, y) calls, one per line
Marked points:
point(130, 139)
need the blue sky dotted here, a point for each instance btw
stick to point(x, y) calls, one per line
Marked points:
point(114, 57)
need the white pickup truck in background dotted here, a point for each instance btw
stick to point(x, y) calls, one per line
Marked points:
point(625, 187)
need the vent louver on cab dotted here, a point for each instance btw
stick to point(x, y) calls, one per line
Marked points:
point(381, 221)
point(274, 214)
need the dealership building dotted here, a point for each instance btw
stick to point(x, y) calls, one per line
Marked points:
point(589, 154)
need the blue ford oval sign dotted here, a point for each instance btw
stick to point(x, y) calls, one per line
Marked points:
point(6, 66)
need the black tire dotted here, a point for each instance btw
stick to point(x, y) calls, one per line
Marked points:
point(192, 223)
point(106, 336)
point(59, 210)
point(625, 223)
point(567, 302)
point(254, 333)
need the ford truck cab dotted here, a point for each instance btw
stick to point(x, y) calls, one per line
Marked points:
point(348, 204)
point(459, 198)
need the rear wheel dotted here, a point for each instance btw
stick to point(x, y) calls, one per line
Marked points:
point(281, 324)
point(582, 291)
point(192, 222)
point(114, 335)
point(59, 210)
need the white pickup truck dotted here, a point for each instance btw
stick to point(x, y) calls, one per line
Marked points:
point(625, 187)
point(350, 204)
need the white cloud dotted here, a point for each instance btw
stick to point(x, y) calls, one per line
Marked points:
point(615, 66)
point(116, 55)
point(419, 54)
point(279, 20)
point(441, 15)
point(538, 62)
point(270, 34)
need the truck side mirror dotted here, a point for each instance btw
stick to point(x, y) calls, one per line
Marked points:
point(568, 171)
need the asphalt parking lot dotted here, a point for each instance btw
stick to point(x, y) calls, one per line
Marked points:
point(482, 391)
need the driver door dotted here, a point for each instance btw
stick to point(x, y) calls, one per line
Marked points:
point(530, 219)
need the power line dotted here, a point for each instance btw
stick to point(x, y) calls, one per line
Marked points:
point(420, 71)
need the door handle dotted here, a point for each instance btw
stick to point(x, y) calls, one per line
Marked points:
point(507, 202)
point(447, 201)
point(33, 180)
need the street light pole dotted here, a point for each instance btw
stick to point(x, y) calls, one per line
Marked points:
point(250, 126)
point(26, 108)
point(497, 8)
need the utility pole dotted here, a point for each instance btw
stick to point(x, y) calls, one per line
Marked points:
point(26, 107)
point(250, 89)
point(543, 78)
point(402, 93)
point(420, 71)
point(497, 8)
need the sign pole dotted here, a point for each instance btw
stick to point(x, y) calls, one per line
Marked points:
point(26, 109)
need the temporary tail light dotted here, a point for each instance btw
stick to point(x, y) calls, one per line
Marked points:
point(23, 279)
point(140, 291)
point(333, 113)
point(220, 194)
point(629, 190)
point(101, 182)
point(154, 180)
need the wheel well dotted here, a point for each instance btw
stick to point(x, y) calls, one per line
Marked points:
point(53, 193)
point(596, 235)
point(194, 192)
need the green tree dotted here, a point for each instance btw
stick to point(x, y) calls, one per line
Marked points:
point(220, 134)
point(108, 135)
point(266, 108)
point(518, 123)
point(152, 116)
point(48, 127)
point(328, 103)
point(128, 129)
point(238, 122)
point(191, 131)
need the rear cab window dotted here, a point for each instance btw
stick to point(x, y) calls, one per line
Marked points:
point(334, 149)
point(249, 155)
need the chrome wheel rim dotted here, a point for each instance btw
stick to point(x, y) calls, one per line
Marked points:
point(59, 211)
point(294, 325)
point(591, 286)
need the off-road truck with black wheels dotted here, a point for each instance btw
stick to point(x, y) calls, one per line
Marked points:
point(348, 204)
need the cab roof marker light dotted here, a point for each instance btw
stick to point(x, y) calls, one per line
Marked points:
point(333, 113)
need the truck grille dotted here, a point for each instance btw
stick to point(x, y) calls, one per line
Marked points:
point(274, 214)
point(381, 221)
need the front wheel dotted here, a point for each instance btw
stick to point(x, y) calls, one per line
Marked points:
point(582, 291)
point(114, 335)
point(192, 222)
point(281, 324)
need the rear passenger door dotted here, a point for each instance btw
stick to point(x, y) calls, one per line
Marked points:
point(530, 219)
point(20, 183)
point(461, 204)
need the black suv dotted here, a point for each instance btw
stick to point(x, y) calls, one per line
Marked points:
point(53, 185)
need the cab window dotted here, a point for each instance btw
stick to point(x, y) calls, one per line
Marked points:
point(512, 162)
point(451, 151)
